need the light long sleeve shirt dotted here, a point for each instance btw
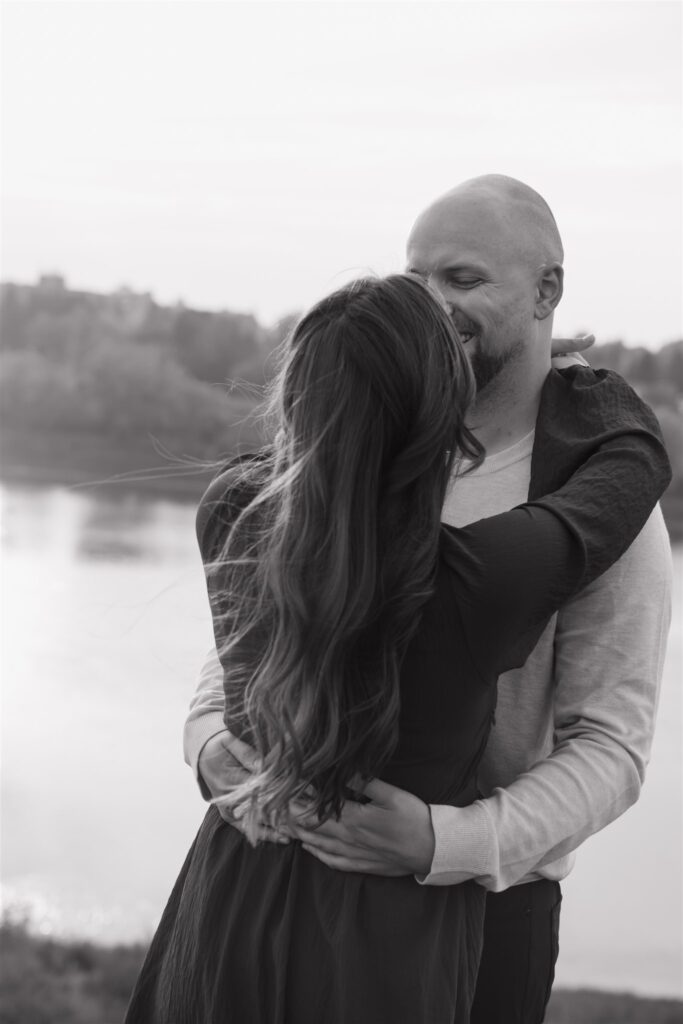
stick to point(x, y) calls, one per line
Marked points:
point(574, 726)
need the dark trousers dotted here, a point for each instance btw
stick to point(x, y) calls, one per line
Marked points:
point(521, 943)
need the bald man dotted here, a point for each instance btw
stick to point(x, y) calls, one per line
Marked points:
point(574, 727)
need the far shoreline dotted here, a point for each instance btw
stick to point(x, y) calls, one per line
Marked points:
point(179, 488)
point(92, 464)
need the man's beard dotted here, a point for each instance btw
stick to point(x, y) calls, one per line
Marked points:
point(487, 365)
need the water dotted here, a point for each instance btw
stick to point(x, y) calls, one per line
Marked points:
point(105, 627)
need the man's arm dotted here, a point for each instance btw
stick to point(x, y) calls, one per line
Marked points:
point(609, 654)
point(205, 719)
point(218, 759)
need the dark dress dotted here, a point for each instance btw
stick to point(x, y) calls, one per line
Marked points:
point(269, 935)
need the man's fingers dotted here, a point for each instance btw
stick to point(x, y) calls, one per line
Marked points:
point(264, 833)
point(302, 816)
point(219, 767)
point(271, 835)
point(381, 793)
point(301, 812)
point(337, 846)
point(330, 829)
point(341, 863)
point(328, 844)
point(222, 777)
point(216, 751)
point(241, 751)
point(347, 827)
point(332, 861)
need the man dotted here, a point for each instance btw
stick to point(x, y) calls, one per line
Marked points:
point(574, 726)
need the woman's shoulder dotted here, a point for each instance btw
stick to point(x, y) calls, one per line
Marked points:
point(581, 409)
point(588, 400)
point(235, 483)
point(237, 474)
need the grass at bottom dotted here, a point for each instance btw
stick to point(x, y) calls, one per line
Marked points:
point(46, 981)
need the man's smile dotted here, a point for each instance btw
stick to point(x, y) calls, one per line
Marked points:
point(464, 326)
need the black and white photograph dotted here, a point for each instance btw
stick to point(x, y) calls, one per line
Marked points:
point(341, 499)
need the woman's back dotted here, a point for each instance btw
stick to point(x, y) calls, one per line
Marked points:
point(360, 636)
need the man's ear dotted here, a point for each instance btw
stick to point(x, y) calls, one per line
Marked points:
point(549, 288)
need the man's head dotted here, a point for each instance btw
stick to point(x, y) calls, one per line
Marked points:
point(492, 249)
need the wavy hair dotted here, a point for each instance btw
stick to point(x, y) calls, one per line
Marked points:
point(331, 551)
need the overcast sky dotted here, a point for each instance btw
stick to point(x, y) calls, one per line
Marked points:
point(252, 156)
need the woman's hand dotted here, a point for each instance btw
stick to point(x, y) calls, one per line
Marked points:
point(566, 351)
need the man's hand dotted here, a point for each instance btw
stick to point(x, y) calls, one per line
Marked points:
point(226, 762)
point(391, 835)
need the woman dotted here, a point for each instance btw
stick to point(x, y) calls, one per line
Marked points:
point(361, 637)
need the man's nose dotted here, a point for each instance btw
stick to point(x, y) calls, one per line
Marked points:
point(438, 286)
point(440, 292)
point(446, 295)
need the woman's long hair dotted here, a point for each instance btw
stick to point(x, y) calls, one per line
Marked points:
point(332, 550)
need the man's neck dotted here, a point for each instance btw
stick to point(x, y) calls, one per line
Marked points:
point(506, 410)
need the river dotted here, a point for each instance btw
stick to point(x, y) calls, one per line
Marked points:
point(105, 625)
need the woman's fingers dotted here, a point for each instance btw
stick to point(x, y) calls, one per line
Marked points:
point(562, 346)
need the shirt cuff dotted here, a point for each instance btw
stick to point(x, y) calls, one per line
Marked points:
point(465, 845)
point(198, 731)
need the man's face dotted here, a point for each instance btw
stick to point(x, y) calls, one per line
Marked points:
point(470, 254)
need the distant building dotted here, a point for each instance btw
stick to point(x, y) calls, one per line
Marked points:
point(125, 313)
point(51, 283)
point(126, 310)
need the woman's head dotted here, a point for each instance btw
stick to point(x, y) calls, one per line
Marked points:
point(325, 572)
point(375, 373)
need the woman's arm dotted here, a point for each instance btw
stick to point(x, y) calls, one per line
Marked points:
point(521, 566)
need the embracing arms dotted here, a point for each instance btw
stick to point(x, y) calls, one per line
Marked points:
point(609, 648)
point(598, 756)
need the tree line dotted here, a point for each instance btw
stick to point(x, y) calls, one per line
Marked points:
point(128, 372)
point(123, 369)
